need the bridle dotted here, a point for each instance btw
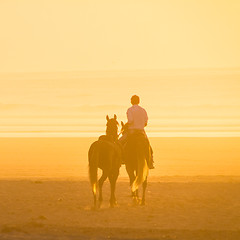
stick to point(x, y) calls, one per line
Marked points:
point(121, 132)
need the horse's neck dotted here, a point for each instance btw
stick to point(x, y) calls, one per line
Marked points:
point(112, 136)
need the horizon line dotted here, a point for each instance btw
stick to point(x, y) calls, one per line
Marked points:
point(97, 134)
point(236, 68)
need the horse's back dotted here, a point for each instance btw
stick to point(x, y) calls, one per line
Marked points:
point(107, 154)
point(93, 148)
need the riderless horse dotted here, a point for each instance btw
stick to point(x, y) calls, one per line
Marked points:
point(106, 155)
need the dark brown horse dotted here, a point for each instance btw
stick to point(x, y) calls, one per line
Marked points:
point(106, 155)
point(135, 152)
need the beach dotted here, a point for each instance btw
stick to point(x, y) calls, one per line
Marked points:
point(202, 208)
point(193, 193)
point(47, 157)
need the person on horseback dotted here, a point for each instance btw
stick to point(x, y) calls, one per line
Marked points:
point(137, 121)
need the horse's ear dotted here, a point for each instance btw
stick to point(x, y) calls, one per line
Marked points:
point(107, 117)
point(115, 116)
point(122, 123)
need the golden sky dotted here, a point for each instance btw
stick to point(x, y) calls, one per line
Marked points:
point(65, 64)
point(67, 35)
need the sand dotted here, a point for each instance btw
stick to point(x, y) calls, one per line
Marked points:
point(192, 208)
point(45, 193)
point(67, 157)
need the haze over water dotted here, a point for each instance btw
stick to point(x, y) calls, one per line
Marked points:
point(179, 102)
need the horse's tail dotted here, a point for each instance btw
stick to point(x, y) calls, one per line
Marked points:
point(142, 170)
point(93, 158)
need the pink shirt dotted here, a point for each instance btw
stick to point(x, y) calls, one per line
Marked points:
point(137, 117)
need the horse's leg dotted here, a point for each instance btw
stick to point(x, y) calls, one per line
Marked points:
point(144, 191)
point(100, 184)
point(113, 179)
point(132, 177)
point(137, 196)
point(136, 192)
point(94, 200)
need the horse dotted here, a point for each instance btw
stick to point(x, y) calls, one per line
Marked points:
point(135, 153)
point(105, 154)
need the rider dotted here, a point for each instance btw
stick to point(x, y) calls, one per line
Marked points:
point(137, 120)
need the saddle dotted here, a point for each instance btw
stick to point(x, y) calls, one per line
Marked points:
point(138, 137)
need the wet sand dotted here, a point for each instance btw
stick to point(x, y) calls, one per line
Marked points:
point(67, 157)
point(177, 208)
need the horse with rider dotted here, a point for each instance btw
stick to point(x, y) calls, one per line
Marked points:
point(132, 149)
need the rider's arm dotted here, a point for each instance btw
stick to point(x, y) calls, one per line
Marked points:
point(146, 118)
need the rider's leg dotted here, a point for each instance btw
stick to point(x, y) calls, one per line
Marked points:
point(123, 140)
point(149, 154)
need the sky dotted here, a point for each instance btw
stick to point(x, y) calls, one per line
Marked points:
point(65, 64)
point(72, 35)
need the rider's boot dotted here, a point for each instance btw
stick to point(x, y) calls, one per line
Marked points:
point(150, 161)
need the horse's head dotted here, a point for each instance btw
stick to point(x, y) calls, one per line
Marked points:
point(124, 128)
point(112, 127)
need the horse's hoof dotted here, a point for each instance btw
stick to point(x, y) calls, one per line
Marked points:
point(94, 208)
point(113, 204)
point(143, 203)
point(135, 201)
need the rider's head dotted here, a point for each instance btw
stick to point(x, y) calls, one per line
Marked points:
point(135, 100)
